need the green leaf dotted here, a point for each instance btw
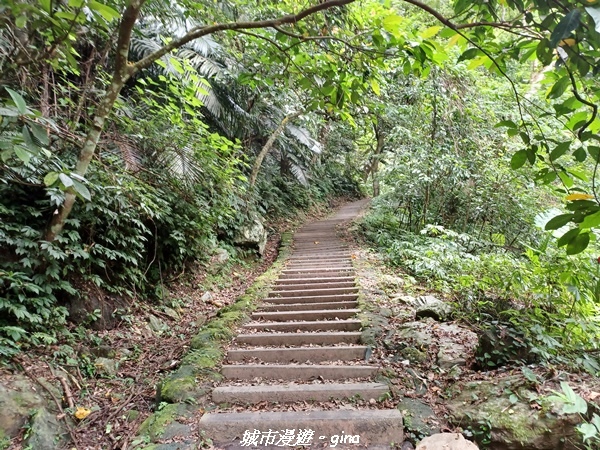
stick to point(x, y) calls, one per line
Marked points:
point(50, 178)
point(22, 154)
point(506, 123)
point(65, 180)
point(82, 190)
point(544, 52)
point(9, 112)
point(375, 86)
point(18, 99)
point(580, 155)
point(564, 28)
point(559, 87)
point(529, 374)
point(587, 431)
point(469, 54)
point(40, 134)
point(21, 21)
point(568, 237)
point(595, 13)
point(566, 179)
point(392, 23)
point(559, 221)
point(46, 5)
point(430, 32)
point(560, 150)
point(518, 159)
point(591, 221)
point(578, 244)
point(105, 11)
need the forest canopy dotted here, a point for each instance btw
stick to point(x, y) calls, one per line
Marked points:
point(139, 136)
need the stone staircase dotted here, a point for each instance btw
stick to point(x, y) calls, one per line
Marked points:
point(303, 345)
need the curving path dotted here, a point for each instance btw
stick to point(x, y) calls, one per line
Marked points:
point(304, 345)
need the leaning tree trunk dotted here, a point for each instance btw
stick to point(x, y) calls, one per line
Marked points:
point(267, 147)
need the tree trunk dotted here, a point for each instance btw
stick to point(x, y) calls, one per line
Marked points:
point(267, 147)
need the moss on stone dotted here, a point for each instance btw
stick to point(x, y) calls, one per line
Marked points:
point(155, 425)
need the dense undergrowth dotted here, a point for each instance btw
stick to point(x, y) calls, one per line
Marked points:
point(543, 301)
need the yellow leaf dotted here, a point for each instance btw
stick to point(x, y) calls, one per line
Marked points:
point(578, 196)
point(82, 413)
point(570, 42)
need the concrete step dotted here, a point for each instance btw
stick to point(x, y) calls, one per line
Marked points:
point(312, 292)
point(309, 306)
point(304, 372)
point(319, 285)
point(319, 314)
point(333, 260)
point(287, 275)
point(297, 339)
point(300, 354)
point(373, 429)
point(287, 393)
point(316, 325)
point(332, 279)
point(317, 299)
point(320, 271)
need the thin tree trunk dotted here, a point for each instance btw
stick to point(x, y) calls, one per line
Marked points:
point(267, 147)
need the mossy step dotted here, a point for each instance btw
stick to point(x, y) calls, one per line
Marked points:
point(289, 393)
point(299, 372)
point(318, 314)
point(300, 354)
point(296, 339)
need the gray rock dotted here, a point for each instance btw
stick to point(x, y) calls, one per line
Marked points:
point(504, 404)
point(207, 296)
point(95, 308)
point(501, 344)
point(156, 324)
point(419, 418)
point(22, 402)
point(429, 306)
point(106, 367)
point(171, 313)
point(407, 300)
point(220, 256)
point(457, 347)
point(407, 445)
point(253, 235)
point(415, 334)
point(446, 441)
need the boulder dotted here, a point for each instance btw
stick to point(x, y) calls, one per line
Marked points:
point(252, 236)
point(446, 441)
point(456, 345)
point(94, 307)
point(419, 419)
point(501, 344)
point(23, 403)
point(500, 411)
point(429, 306)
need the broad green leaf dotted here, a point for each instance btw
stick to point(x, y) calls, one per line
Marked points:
point(576, 404)
point(21, 21)
point(587, 431)
point(46, 5)
point(578, 174)
point(9, 112)
point(18, 99)
point(559, 87)
point(595, 13)
point(560, 150)
point(392, 23)
point(564, 28)
point(591, 221)
point(82, 190)
point(375, 86)
point(40, 134)
point(568, 237)
point(50, 178)
point(469, 54)
point(566, 179)
point(506, 123)
point(529, 374)
point(578, 244)
point(105, 11)
point(430, 32)
point(559, 221)
point(577, 120)
point(580, 155)
point(22, 154)
point(544, 52)
point(518, 159)
point(65, 180)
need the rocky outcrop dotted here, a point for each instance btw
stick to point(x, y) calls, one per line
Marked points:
point(446, 441)
point(510, 413)
point(429, 306)
point(252, 236)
